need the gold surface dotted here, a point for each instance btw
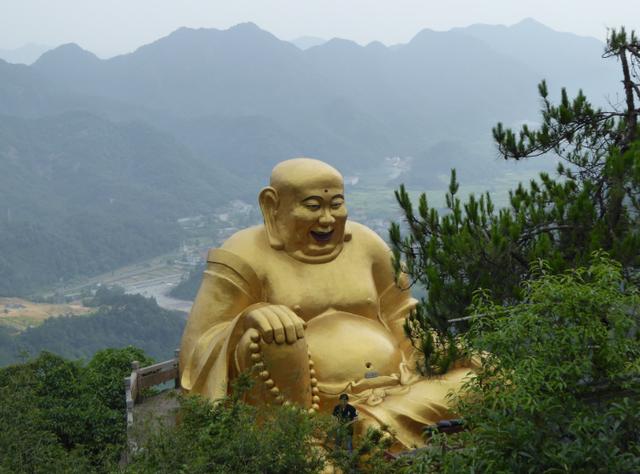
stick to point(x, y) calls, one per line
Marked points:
point(308, 302)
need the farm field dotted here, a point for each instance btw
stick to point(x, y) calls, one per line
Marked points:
point(19, 314)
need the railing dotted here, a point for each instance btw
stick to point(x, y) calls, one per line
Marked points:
point(142, 378)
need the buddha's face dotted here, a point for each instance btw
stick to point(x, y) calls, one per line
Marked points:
point(311, 219)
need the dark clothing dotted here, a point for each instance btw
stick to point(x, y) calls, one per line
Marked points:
point(344, 434)
point(345, 415)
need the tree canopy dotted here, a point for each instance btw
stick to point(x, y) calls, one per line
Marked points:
point(58, 415)
point(592, 204)
point(559, 384)
point(120, 320)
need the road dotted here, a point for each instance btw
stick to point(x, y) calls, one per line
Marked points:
point(152, 278)
point(157, 288)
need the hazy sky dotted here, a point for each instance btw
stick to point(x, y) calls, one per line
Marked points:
point(109, 27)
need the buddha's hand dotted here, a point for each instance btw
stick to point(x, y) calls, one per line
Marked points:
point(276, 323)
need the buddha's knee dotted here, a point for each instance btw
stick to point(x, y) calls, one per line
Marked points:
point(282, 373)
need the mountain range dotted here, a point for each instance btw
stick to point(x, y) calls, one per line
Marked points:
point(94, 147)
point(25, 54)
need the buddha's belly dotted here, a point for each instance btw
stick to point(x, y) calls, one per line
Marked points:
point(345, 346)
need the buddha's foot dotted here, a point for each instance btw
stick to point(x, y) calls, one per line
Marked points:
point(284, 372)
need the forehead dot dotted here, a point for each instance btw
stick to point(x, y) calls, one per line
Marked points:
point(326, 190)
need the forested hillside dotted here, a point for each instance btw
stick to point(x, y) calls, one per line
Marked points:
point(120, 320)
point(188, 287)
point(81, 195)
point(58, 415)
point(100, 157)
point(339, 101)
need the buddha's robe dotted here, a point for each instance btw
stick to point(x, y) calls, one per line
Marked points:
point(354, 311)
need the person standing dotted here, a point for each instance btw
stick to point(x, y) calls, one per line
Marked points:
point(347, 415)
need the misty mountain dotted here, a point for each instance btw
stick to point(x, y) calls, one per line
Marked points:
point(306, 42)
point(81, 195)
point(254, 142)
point(243, 70)
point(26, 54)
point(431, 169)
point(240, 72)
point(100, 156)
point(23, 92)
point(401, 97)
point(339, 101)
point(564, 59)
point(437, 86)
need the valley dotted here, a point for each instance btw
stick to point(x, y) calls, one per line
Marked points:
point(370, 201)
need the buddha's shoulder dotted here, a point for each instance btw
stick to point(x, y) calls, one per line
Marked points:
point(376, 251)
point(238, 256)
point(361, 235)
point(247, 243)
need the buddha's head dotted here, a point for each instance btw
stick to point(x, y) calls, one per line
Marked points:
point(304, 210)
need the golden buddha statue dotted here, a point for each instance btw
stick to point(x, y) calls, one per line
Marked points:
point(310, 303)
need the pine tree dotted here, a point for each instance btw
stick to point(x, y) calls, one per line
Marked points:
point(593, 204)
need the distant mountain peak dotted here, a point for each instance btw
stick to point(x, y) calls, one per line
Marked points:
point(26, 54)
point(250, 30)
point(69, 52)
point(247, 29)
point(531, 24)
point(376, 45)
point(69, 48)
point(240, 27)
point(246, 26)
point(424, 35)
point(341, 43)
point(306, 42)
point(195, 39)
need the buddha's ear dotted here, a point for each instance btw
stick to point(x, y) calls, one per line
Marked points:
point(269, 201)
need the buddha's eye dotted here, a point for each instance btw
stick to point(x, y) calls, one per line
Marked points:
point(313, 207)
point(336, 205)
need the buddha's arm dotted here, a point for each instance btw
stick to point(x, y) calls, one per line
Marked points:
point(395, 299)
point(229, 286)
point(395, 305)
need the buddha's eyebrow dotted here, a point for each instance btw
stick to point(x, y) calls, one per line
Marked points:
point(319, 198)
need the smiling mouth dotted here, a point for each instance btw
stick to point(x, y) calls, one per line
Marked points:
point(322, 237)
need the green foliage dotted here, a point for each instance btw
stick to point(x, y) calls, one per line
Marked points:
point(369, 455)
point(59, 416)
point(229, 437)
point(120, 320)
point(439, 347)
point(81, 195)
point(559, 387)
point(594, 204)
point(105, 371)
